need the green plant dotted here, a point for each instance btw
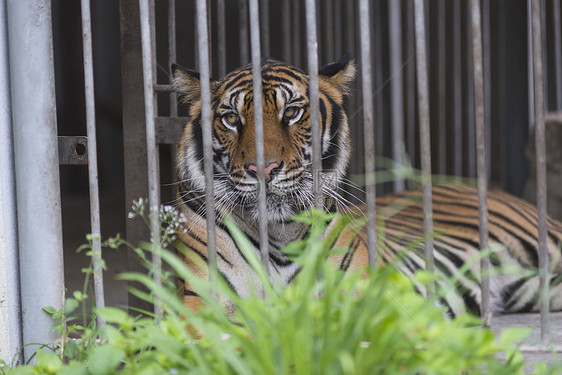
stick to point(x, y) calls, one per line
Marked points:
point(324, 322)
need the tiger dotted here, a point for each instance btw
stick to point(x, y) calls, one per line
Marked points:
point(289, 182)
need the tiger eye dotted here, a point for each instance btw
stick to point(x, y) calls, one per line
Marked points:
point(290, 112)
point(231, 118)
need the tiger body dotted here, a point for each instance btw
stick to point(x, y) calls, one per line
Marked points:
point(289, 186)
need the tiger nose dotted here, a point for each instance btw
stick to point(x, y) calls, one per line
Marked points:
point(269, 166)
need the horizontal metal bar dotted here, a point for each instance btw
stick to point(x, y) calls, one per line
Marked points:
point(169, 129)
point(73, 150)
point(160, 87)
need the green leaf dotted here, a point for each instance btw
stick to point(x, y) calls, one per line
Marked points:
point(50, 310)
point(49, 362)
point(70, 304)
point(105, 359)
point(74, 368)
point(113, 315)
point(514, 335)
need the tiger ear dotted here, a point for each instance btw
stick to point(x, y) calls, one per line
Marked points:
point(339, 73)
point(187, 83)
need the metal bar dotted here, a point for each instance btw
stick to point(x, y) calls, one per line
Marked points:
point(482, 177)
point(146, 21)
point(541, 168)
point(172, 56)
point(530, 73)
point(264, 18)
point(92, 157)
point(258, 131)
point(312, 60)
point(486, 60)
point(203, 47)
point(396, 85)
point(425, 146)
point(557, 52)
point(296, 19)
point(286, 30)
point(134, 133)
point(469, 105)
point(338, 50)
point(441, 91)
point(243, 26)
point(411, 79)
point(221, 38)
point(379, 80)
point(37, 168)
point(10, 308)
point(328, 34)
point(457, 91)
point(368, 129)
point(544, 53)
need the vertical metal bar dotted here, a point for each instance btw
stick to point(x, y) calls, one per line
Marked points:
point(92, 156)
point(410, 78)
point(544, 53)
point(457, 91)
point(541, 168)
point(368, 129)
point(286, 30)
point(486, 61)
point(481, 154)
point(37, 169)
point(172, 53)
point(530, 72)
point(557, 25)
point(296, 19)
point(338, 50)
point(10, 309)
point(258, 129)
point(243, 26)
point(328, 21)
point(471, 141)
point(264, 18)
point(379, 79)
point(425, 146)
point(441, 90)
point(134, 132)
point(203, 47)
point(312, 59)
point(221, 38)
point(146, 21)
point(396, 85)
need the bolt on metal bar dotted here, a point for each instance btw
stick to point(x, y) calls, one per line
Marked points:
point(10, 309)
point(541, 167)
point(243, 26)
point(258, 131)
point(37, 169)
point(92, 156)
point(312, 60)
point(457, 89)
point(221, 38)
point(203, 48)
point(368, 129)
point(441, 91)
point(148, 59)
point(557, 26)
point(481, 152)
point(396, 86)
point(172, 55)
point(425, 146)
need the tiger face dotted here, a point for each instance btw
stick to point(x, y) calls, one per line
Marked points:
point(287, 136)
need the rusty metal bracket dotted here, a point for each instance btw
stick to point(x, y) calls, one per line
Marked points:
point(73, 150)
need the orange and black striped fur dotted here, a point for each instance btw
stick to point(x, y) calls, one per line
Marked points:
point(288, 157)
